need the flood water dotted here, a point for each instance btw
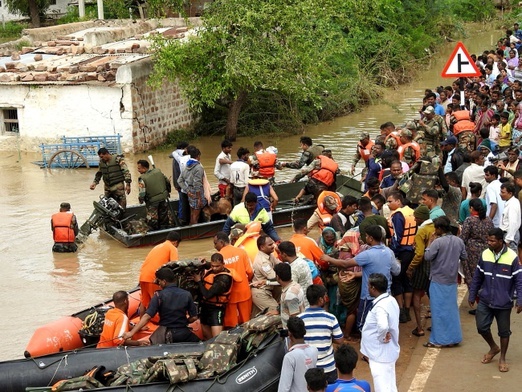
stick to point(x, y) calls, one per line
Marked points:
point(39, 286)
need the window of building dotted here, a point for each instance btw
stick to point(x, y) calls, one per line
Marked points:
point(11, 120)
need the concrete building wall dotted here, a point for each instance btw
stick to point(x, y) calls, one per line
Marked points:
point(59, 8)
point(47, 112)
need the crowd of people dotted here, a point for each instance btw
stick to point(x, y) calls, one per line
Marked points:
point(441, 204)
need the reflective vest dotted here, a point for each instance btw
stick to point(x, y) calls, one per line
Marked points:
point(261, 188)
point(266, 161)
point(365, 152)
point(111, 172)
point(326, 174)
point(208, 281)
point(155, 186)
point(410, 226)
point(463, 122)
point(394, 135)
point(62, 222)
point(402, 149)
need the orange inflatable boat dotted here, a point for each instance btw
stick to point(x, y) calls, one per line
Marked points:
point(63, 334)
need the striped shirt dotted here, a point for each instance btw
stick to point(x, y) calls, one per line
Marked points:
point(321, 328)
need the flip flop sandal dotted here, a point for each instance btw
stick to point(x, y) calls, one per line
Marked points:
point(432, 345)
point(417, 333)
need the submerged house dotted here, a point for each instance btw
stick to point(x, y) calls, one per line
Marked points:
point(89, 79)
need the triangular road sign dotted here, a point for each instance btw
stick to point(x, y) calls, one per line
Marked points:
point(460, 64)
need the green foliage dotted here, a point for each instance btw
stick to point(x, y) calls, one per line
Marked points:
point(162, 8)
point(12, 29)
point(176, 136)
point(302, 61)
point(118, 9)
point(21, 7)
point(73, 15)
point(21, 44)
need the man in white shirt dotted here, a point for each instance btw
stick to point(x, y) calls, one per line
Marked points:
point(239, 172)
point(298, 360)
point(494, 203)
point(222, 167)
point(380, 335)
point(474, 173)
point(510, 221)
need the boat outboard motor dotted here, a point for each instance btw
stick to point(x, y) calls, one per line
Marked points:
point(105, 211)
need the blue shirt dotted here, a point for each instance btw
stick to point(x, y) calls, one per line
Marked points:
point(377, 259)
point(439, 109)
point(436, 212)
point(464, 209)
point(374, 168)
point(352, 385)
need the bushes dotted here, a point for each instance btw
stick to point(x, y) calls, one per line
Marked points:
point(12, 30)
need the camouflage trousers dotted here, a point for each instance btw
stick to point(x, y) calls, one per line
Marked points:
point(431, 151)
point(117, 192)
point(159, 216)
point(467, 140)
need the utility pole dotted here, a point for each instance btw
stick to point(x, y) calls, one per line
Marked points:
point(100, 9)
point(81, 8)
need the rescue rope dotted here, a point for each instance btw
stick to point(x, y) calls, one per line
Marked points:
point(58, 367)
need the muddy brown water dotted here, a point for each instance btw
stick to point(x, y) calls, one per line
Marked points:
point(39, 286)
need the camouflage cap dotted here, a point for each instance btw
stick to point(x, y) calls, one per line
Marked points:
point(429, 110)
point(364, 135)
point(330, 203)
point(406, 132)
point(410, 125)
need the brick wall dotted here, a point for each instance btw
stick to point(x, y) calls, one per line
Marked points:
point(156, 113)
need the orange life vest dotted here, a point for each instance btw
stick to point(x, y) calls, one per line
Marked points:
point(208, 281)
point(410, 225)
point(326, 174)
point(365, 152)
point(395, 135)
point(463, 122)
point(266, 161)
point(320, 202)
point(402, 149)
point(62, 222)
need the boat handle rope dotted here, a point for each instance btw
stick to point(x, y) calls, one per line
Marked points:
point(64, 358)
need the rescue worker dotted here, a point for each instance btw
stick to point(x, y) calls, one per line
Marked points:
point(464, 129)
point(65, 229)
point(239, 306)
point(114, 171)
point(264, 162)
point(307, 156)
point(363, 151)
point(248, 211)
point(266, 195)
point(176, 310)
point(403, 228)
point(154, 191)
point(328, 203)
point(321, 172)
point(215, 287)
point(157, 257)
point(434, 130)
point(116, 323)
point(409, 150)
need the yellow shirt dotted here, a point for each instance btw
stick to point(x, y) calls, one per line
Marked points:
point(505, 135)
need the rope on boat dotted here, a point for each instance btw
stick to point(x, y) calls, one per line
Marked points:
point(64, 358)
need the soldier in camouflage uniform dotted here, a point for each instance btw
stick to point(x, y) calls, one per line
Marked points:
point(409, 150)
point(391, 140)
point(310, 152)
point(434, 130)
point(114, 172)
point(154, 191)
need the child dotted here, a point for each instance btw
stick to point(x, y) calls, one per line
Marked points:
point(484, 136)
point(504, 132)
point(494, 129)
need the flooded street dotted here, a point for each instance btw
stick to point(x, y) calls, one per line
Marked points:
point(39, 286)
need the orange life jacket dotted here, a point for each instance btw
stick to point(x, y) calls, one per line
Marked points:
point(410, 225)
point(402, 149)
point(365, 152)
point(395, 135)
point(266, 161)
point(320, 202)
point(326, 174)
point(63, 231)
point(463, 122)
point(208, 281)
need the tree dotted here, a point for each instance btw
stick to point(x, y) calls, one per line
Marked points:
point(32, 8)
point(249, 45)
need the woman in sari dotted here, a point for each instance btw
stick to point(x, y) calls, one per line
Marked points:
point(329, 276)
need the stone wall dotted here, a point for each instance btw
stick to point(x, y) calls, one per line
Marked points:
point(156, 111)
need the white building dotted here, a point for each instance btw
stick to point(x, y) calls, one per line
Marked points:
point(58, 7)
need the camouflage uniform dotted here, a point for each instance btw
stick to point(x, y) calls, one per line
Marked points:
point(467, 140)
point(153, 190)
point(434, 131)
point(391, 143)
point(114, 190)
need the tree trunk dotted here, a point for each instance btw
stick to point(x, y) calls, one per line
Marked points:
point(34, 13)
point(234, 109)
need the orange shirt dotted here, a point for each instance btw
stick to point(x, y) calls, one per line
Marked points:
point(238, 260)
point(115, 325)
point(307, 247)
point(159, 255)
